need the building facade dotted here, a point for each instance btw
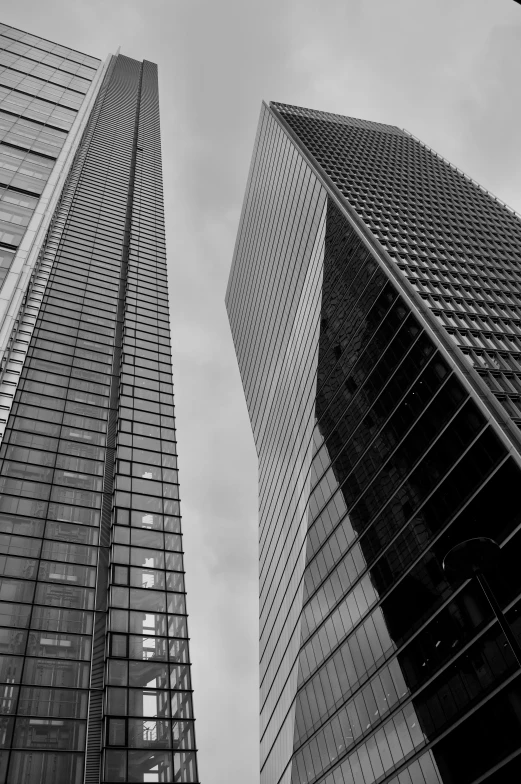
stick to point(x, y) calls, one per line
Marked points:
point(94, 662)
point(374, 306)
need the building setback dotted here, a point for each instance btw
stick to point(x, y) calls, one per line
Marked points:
point(94, 663)
point(374, 301)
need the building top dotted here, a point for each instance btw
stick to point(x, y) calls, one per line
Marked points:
point(457, 245)
point(24, 39)
point(328, 117)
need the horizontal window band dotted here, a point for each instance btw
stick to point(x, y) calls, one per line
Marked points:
point(6, 143)
point(6, 110)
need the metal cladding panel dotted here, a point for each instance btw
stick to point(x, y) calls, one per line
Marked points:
point(456, 244)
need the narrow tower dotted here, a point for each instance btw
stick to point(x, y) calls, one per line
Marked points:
point(94, 665)
point(374, 301)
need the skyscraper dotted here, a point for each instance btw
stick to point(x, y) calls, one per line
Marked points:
point(94, 664)
point(374, 301)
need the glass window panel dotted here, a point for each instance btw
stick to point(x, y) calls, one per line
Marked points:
point(170, 475)
point(8, 699)
point(10, 669)
point(22, 525)
point(46, 672)
point(151, 674)
point(393, 741)
point(79, 464)
point(74, 514)
point(147, 578)
point(16, 590)
point(14, 615)
point(173, 542)
point(118, 620)
point(66, 532)
point(153, 767)
point(149, 733)
point(32, 473)
point(119, 597)
point(146, 458)
point(121, 554)
point(63, 734)
point(388, 684)
point(72, 553)
point(176, 601)
point(120, 575)
point(20, 545)
point(117, 701)
point(149, 503)
point(118, 645)
point(177, 626)
point(65, 595)
point(33, 441)
point(63, 646)
point(39, 767)
point(153, 601)
point(429, 769)
point(150, 623)
point(374, 757)
point(153, 559)
point(68, 703)
point(146, 648)
point(78, 497)
point(67, 573)
point(117, 673)
point(81, 450)
point(182, 705)
point(6, 731)
point(116, 766)
point(148, 702)
point(141, 537)
point(117, 732)
point(174, 561)
point(146, 471)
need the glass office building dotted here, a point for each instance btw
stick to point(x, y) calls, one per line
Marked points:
point(94, 662)
point(374, 301)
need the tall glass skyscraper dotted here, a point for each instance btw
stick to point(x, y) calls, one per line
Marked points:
point(374, 301)
point(94, 663)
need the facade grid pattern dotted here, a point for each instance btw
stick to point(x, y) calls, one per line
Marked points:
point(373, 666)
point(457, 246)
point(40, 93)
point(94, 662)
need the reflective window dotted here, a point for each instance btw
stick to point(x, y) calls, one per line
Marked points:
point(90, 530)
point(374, 457)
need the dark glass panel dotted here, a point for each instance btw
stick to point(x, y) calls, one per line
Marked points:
point(41, 767)
point(483, 739)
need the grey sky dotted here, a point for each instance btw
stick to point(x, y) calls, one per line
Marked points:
point(448, 71)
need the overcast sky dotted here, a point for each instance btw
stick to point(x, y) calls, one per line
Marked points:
point(447, 70)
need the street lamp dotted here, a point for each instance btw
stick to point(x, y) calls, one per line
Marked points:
point(473, 558)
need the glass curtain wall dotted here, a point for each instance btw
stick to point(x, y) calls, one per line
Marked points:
point(404, 467)
point(280, 247)
point(149, 704)
point(94, 640)
point(373, 664)
point(42, 85)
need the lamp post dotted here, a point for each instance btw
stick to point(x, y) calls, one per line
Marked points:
point(473, 558)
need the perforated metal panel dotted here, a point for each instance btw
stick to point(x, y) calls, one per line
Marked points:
point(459, 246)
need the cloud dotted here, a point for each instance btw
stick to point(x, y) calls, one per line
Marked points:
point(448, 71)
point(490, 114)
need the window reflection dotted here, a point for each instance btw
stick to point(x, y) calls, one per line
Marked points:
point(340, 598)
